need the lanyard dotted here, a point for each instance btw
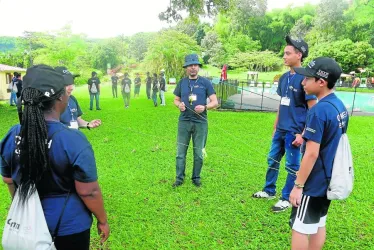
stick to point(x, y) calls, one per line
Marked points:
point(71, 111)
point(288, 81)
point(191, 86)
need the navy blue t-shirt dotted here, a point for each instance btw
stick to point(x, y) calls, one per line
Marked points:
point(322, 127)
point(72, 158)
point(292, 118)
point(200, 87)
point(72, 111)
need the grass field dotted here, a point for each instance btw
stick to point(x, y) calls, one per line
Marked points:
point(135, 151)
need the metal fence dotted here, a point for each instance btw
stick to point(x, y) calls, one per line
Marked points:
point(260, 96)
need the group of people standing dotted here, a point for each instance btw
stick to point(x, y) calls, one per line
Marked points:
point(156, 83)
point(304, 129)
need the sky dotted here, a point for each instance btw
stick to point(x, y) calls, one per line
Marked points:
point(95, 18)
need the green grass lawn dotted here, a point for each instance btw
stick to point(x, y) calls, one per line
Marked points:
point(135, 151)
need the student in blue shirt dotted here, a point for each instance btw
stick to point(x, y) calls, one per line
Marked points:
point(59, 161)
point(324, 126)
point(72, 116)
point(191, 96)
point(288, 125)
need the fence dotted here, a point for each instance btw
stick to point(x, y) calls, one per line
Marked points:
point(259, 96)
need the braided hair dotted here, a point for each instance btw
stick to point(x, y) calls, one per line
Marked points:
point(33, 139)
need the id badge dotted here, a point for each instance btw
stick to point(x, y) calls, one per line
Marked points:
point(285, 101)
point(74, 125)
point(193, 98)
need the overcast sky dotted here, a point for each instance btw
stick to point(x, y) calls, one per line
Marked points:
point(96, 18)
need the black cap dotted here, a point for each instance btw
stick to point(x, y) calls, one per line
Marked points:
point(68, 76)
point(45, 79)
point(322, 67)
point(191, 59)
point(299, 44)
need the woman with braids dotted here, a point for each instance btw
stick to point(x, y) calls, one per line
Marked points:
point(59, 161)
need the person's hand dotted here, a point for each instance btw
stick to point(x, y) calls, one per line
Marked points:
point(103, 230)
point(94, 123)
point(295, 196)
point(182, 106)
point(298, 141)
point(199, 109)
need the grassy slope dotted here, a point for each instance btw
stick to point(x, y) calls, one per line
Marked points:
point(135, 153)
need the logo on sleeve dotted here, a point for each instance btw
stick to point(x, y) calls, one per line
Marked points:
point(310, 130)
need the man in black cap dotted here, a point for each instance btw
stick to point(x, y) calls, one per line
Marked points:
point(138, 84)
point(148, 81)
point(288, 126)
point(126, 90)
point(191, 96)
point(94, 90)
point(326, 122)
point(114, 85)
point(72, 116)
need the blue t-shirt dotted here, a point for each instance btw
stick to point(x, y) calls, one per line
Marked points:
point(71, 158)
point(292, 118)
point(72, 111)
point(200, 87)
point(322, 127)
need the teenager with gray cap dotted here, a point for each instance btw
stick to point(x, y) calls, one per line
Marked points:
point(288, 126)
point(191, 96)
point(325, 124)
point(63, 170)
point(72, 116)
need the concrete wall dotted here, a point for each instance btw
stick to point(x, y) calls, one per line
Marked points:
point(4, 80)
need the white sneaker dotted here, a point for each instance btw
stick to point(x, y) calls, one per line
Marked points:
point(281, 206)
point(263, 195)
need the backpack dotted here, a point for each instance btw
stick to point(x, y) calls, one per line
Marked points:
point(93, 88)
point(14, 88)
point(342, 177)
point(127, 88)
point(26, 227)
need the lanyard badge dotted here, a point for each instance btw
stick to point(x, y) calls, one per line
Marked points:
point(192, 97)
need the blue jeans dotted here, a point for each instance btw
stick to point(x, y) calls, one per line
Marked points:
point(198, 132)
point(282, 144)
point(13, 98)
point(154, 97)
point(97, 95)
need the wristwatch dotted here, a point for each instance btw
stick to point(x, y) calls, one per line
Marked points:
point(88, 126)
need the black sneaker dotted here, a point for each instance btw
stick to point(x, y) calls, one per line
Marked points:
point(197, 183)
point(177, 183)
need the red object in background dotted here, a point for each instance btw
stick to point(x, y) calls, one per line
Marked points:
point(224, 73)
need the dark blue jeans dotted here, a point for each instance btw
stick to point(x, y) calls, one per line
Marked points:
point(96, 96)
point(282, 144)
point(198, 132)
point(154, 97)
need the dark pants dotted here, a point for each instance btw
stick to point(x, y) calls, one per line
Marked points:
point(114, 91)
point(282, 144)
point(79, 241)
point(96, 96)
point(154, 97)
point(198, 132)
point(126, 98)
point(149, 92)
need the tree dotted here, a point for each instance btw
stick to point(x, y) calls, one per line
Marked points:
point(110, 51)
point(168, 51)
point(329, 21)
point(138, 45)
point(348, 54)
point(195, 8)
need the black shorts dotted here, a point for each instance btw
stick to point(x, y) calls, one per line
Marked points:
point(310, 215)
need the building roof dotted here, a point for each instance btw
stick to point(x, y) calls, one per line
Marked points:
point(4, 67)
